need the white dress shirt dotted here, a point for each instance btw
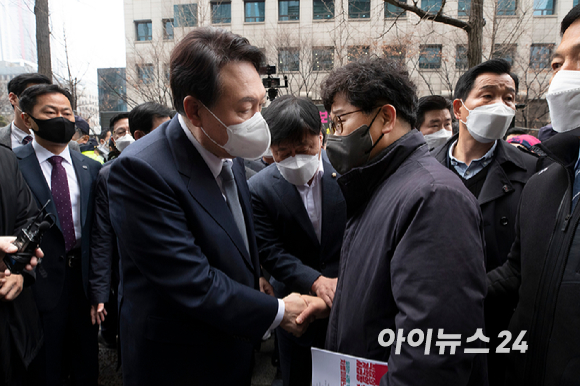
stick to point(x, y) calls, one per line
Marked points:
point(214, 163)
point(73, 185)
point(312, 198)
point(17, 136)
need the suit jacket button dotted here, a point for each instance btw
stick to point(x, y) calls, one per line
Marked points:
point(503, 221)
point(333, 175)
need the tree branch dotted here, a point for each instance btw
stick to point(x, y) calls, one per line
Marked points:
point(438, 17)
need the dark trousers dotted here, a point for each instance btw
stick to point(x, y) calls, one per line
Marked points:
point(70, 340)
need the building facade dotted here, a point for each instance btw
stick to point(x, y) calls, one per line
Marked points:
point(306, 39)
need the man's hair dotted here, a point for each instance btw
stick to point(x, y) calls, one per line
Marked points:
point(570, 18)
point(104, 133)
point(117, 118)
point(495, 66)
point(141, 117)
point(290, 118)
point(197, 59)
point(370, 83)
point(430, 103)
point(29, 97)
point(516, 131)
point(18, 84)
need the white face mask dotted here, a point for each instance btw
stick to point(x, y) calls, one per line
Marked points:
point(489, 122)
point(122, 142)
point(249, 139)
point(104, 148)
point(564, 100)
point(437, 138)
point(298, 170)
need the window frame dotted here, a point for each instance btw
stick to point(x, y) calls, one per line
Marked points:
point(431, 9)
point(288, 15)
point(357, 14)
point(547, 64)
point(166, 35)
point(544, 11)
point(427, 65)
point(150, 28)
point(351, 51)
point(323, 50)
point(285, 67)
point(263, 17)
point(141, 73)
point(388, 14)
point(180, 15)
point(507, 11)
point(219, 4)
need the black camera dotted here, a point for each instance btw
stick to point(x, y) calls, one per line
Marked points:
point(28, 240)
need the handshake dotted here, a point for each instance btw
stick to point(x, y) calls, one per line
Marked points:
point(301, 310)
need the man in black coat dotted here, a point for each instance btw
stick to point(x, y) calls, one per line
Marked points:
point(300, 216)
point(20, 328)
point(494, 171)
point(543, 265)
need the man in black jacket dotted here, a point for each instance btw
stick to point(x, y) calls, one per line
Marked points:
point(543, 265)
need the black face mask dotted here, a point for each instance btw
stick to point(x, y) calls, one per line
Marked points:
point(57, 130)
point(353, 150)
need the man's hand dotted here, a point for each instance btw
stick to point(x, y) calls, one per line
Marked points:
point(266, 287)
point(317, 309)
point(11, 288)
point(294, 305)
point(324, 288)
point(98, 313)
point(6, 246)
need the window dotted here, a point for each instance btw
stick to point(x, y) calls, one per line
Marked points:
point(395, 53)
point(359, 9)
point(432, 6)
point(575, 3)
point(461, 57)
point(506, 7)
point(145, 73)
point(541, 55)
point(543, 7)
point(354, 53)
point(288, 59)
point(221, 13)
point(185, 15)
point(143, 30)
point(254, 11)
point(322, 58)
point(323, 9)
point(504, 51)
point(288, 10)
point(392, 11)
point(430, 57)
point(463, 7)
point(167, 29)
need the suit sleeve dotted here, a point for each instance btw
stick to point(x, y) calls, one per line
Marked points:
point(438, 282)
point(102, 237)
point(284, 266)
point(154, 235)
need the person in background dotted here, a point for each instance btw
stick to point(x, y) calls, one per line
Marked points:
point(525, 141)
point(434, 119)
point(87, 145)
point(147, 117)
point(103, 147)
point(119, 125)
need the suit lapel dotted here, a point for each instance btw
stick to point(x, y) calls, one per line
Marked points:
point(496, 184)
point(202, 185)
point(333, 205)
point(5, 136)
point(84, 179)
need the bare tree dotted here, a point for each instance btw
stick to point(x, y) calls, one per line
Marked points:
point(43, 38)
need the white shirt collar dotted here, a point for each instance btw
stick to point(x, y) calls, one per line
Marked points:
point(214, 163)
point(20, 134)
point(43, 154)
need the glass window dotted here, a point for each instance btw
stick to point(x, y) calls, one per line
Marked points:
point(167, 29)
point(145, 73)
point(395, 53)
point(430, 57)
point(254, 11)
point(461, 62)
point(322, 58)
point(432, 6)
point(541, 55)
point(354, 53)
point(323, 9)
point(543, 7)
point(359, 9)
point(288, 59)
point(185, 15)
point(143, 30)
point(221, 13)
point(575, 3)
point(504, 51)
point(393, 11)
point(463, 7)
point(506, 7)
point(288, 10)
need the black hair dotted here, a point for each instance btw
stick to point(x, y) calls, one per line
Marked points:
point(19, 83)
point(290, 118)
point(104, 133)
point(141, 117)
point(569, 19)
point(430, 103)
point(467, 80)
point(28, 98)
point(516, 131)
point(117, 118)
point(197, 59)
point(370, 83)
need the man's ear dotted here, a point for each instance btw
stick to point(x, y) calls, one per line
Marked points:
point(13, 100)
point(388, 118)
point(28, 121)
point(192, 107)
point(457, 105)
point(138, 134)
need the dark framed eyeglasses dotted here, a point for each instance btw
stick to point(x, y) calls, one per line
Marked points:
point(336, 122)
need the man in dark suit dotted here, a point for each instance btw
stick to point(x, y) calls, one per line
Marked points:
point(67, 178)
point(191, 310)
point(300, 216)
